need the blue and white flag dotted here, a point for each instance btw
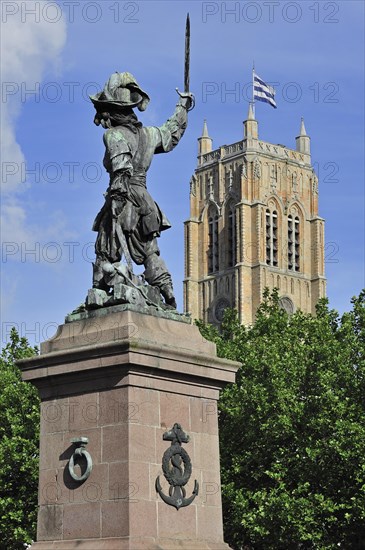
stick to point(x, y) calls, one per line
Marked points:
point(262, 91)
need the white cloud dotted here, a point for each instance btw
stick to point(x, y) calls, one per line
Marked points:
point(11, 154)
point(30, 46)
point(26, 243)
point(18, 232)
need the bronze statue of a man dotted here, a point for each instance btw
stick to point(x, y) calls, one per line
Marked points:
point(130, 220)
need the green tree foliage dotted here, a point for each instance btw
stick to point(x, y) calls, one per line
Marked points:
point(292, 428)
point(19, 435)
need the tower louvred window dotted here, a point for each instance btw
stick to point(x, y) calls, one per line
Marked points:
point(297, 244)
point(231, 230)
point(271, 238)
point(213, 250)
point(293, 243)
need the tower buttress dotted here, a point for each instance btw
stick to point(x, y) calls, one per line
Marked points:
point(303, 140)
point(205, 143)
point(250, 125)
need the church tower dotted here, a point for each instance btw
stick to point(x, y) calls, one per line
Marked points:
point(253, 224)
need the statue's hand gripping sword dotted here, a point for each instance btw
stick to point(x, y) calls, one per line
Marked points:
point(186, 93)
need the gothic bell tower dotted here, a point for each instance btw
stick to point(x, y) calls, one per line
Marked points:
point(253, 224)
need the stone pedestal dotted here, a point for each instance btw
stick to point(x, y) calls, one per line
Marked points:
point(122, 380)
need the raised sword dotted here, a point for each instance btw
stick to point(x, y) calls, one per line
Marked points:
point(186, 92)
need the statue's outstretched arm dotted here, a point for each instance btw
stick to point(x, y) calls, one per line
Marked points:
point(172, 131)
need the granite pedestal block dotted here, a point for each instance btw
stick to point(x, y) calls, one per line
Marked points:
point(122, 380)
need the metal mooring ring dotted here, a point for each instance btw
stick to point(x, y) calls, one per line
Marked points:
point(80, 451)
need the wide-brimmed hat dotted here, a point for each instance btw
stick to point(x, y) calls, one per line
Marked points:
point(120, 91)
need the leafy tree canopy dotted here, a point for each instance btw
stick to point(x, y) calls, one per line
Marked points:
point(292, 428)
point(19, 436)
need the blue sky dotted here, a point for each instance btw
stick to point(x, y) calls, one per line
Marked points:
point(56, 53)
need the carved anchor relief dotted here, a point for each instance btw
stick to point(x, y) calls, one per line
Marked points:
point(176, 466)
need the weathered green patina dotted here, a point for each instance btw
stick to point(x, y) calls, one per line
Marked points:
point(130, 221)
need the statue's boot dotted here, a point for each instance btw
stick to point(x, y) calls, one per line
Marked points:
point(168, 295)
point(156, 274)
point(98, 275)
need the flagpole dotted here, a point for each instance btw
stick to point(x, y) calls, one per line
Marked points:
point(253, 88)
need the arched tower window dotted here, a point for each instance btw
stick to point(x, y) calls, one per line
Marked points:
point(213, 252)
point(272, 238)
point(231, 234)
point(293, 243)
